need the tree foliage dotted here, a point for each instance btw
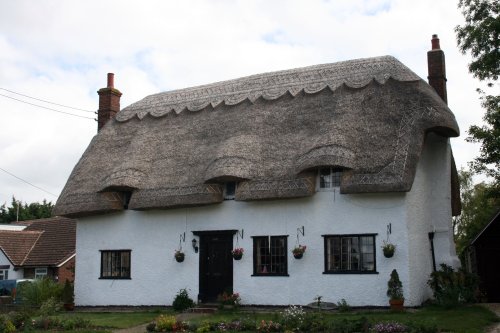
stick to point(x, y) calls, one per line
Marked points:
point(480, 35)
point(478, 207)
point(30, 211)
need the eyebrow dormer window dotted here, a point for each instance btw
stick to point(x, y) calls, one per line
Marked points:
point(329, 178)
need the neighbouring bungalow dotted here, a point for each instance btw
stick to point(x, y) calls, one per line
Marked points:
point(37, 249)
point(338, 157)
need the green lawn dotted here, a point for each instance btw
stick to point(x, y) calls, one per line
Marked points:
point(114, 320)
point(466, 319)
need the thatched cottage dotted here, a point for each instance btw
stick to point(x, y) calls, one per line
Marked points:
point(338, 157)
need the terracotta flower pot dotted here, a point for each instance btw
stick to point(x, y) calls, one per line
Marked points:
point(397, 304)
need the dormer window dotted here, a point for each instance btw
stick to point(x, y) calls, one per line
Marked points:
point(329, 178)
point(229, 190)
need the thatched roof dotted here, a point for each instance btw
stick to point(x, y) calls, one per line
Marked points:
point(268, 131)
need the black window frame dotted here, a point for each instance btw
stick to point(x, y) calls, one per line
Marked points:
point(359, 271)
point(122, 274)
point(284, 260)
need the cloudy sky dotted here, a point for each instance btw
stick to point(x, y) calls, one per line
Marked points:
point(60, 51)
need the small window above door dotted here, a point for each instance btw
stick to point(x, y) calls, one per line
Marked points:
point(329, 178)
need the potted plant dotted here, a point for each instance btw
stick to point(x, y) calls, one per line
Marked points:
point(395, 292)
point(68, 296)
point(237, 253)
point(298, 251)
point(388, 249)
point(179, 255)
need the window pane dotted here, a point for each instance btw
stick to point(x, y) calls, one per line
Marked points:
point(336, 176)
point(324, 178)
point(367, 248)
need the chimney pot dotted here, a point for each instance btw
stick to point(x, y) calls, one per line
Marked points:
point(435, 42)
point(111, 80)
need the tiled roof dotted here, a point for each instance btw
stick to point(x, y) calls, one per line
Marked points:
point(16, 245)
point(44, 242)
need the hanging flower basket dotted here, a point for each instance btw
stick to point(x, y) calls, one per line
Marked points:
point(388, 249)
point(179, 256)
point(237, 253)
point(298, 251)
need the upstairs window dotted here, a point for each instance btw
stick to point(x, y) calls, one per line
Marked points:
point(4, 274)
point(115, 264)
point(229, 190)
point(329, 178)
point(270, 256)
point(350, 253)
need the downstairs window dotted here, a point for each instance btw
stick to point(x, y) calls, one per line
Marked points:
point(350, 253)
point(115, 264)
point(270, 256)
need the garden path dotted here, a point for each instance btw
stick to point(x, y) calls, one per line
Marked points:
point(494, 307)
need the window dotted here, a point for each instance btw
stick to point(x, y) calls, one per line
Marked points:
point(4, 274)
point(229, 190)
point(270, 256)
point(350, 253)
point(329, 178)
point(40, 272)
point(115, 264)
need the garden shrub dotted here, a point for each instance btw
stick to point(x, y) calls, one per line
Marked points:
point(50, 307)
point(268, 326)
point(451, 288)
point(165, 323)
point(36, 292)
point(151, 327)
point(6, 326)
point(293, 318)
point(182, 301)
point(315, 322)
point(19, 318)
point(343, 306)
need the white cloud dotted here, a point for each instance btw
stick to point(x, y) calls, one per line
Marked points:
point(62, 50)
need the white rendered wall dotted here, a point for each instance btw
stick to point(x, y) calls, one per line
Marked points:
point(13, 275)
point(429, 210)
point(154, 235)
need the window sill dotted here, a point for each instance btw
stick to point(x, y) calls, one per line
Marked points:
point(351, 272)
point(115, 278)
point(269, 274)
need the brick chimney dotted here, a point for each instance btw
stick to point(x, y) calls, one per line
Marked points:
point(437, 69)
point(109, 102)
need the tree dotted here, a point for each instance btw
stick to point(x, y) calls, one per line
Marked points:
point(480, 35)
point(22, 212)
point(478, 207)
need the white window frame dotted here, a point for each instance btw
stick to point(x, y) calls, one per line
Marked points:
point(4, 274)
point(41, 272)
point(332, 171)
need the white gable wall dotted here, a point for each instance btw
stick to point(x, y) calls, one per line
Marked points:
point(429, 210)
point(152, 236)
point(13, 275)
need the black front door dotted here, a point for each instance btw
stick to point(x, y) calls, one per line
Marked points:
point(216, 263)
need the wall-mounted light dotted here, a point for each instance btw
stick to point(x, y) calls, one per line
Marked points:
point(195, 245)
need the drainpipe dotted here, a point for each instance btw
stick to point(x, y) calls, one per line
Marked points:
point(431, 239)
